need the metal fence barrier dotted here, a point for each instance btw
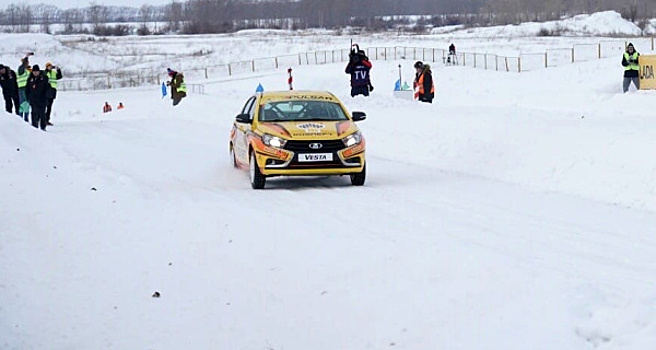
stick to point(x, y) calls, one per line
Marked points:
point(524, 62)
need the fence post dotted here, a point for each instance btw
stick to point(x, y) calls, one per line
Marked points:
point(229, 69)
point(253, 65)
point(485, 61)
point(572, 54)
point(206, 77)
point(299, 59)
point(433, 50)
point(109, 85)
point(652, 43)
point(519, 64)
point(276, 61)
point(474, 60)
point(546, 59)
point(464, 59)
point(599, 50)
point(496, 62)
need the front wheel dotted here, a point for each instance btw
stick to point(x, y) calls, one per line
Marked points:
point(357, 179)
point(257, 179)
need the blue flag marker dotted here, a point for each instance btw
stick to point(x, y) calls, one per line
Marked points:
point(260, 88)
point(397, 85)
point(163, 90)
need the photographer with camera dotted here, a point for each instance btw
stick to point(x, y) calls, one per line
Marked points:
point(53, 74)
point(631, 68)
point(359, 68)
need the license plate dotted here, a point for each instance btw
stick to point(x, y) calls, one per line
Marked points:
point(315, 157)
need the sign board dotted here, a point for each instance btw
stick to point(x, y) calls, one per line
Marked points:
point(647, 66)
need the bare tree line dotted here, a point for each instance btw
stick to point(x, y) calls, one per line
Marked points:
point(216, 16)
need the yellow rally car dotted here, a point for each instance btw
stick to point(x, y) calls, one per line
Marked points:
point(297, 133)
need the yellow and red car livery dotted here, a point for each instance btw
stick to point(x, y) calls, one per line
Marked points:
point(297, 133)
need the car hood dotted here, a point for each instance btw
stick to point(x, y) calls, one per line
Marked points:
point(310, 130)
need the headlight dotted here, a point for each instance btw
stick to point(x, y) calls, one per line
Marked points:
point(353, 139)
point(273, 141)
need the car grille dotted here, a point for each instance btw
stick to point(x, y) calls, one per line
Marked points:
point(304, 146)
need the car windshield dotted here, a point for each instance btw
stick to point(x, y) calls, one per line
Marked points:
point(287, 111)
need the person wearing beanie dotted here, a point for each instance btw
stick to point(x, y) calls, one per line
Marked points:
point(9, 88)
point(631, 68)
point(424, 87)
point(52, 74)
point(178, 86)
point(37, 94)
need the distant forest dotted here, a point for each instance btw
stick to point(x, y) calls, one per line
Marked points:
point(221, 16)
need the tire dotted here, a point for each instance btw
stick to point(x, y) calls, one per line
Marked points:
point(358, 179)
point(257, 179)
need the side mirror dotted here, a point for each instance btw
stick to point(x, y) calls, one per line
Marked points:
point(244, 118)
point(358, 116)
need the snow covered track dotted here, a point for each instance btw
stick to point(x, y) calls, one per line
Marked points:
point(517, 212)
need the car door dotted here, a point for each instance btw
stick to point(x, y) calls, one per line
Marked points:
point(241, 141)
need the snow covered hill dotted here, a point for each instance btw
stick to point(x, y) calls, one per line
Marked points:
point(516, 212)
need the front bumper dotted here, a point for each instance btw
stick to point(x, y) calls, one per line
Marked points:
point(272, 161)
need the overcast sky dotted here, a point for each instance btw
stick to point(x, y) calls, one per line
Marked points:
point(64, 4)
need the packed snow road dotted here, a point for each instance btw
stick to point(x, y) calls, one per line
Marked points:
point(460, 239)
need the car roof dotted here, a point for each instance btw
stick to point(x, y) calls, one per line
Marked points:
point(295, 95)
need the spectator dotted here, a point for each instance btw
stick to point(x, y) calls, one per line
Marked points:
point(178, 86)
point(53, 74)
point(359, 68)
point(452, 58)
point(631, 68)
point(107, 108)
point(23, 73)
point(120, 105)
point(9, 88)
point(424, 87)
point(36, 93)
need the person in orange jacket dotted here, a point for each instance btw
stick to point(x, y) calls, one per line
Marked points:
point(424, 87)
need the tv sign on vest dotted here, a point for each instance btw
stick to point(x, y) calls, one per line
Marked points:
point(647, 65)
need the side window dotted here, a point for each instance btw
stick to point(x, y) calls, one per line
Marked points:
point(248, 107)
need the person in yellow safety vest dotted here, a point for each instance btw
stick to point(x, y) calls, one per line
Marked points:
point(631, 68)
point(53, 74)
point(22, 74)
point(424, 87)
point(178, 86)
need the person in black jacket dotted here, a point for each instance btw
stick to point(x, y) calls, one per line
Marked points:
point(9, 88)
point(359, 68)
point(36, 92)
point(631, 68)
point(424, 87)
